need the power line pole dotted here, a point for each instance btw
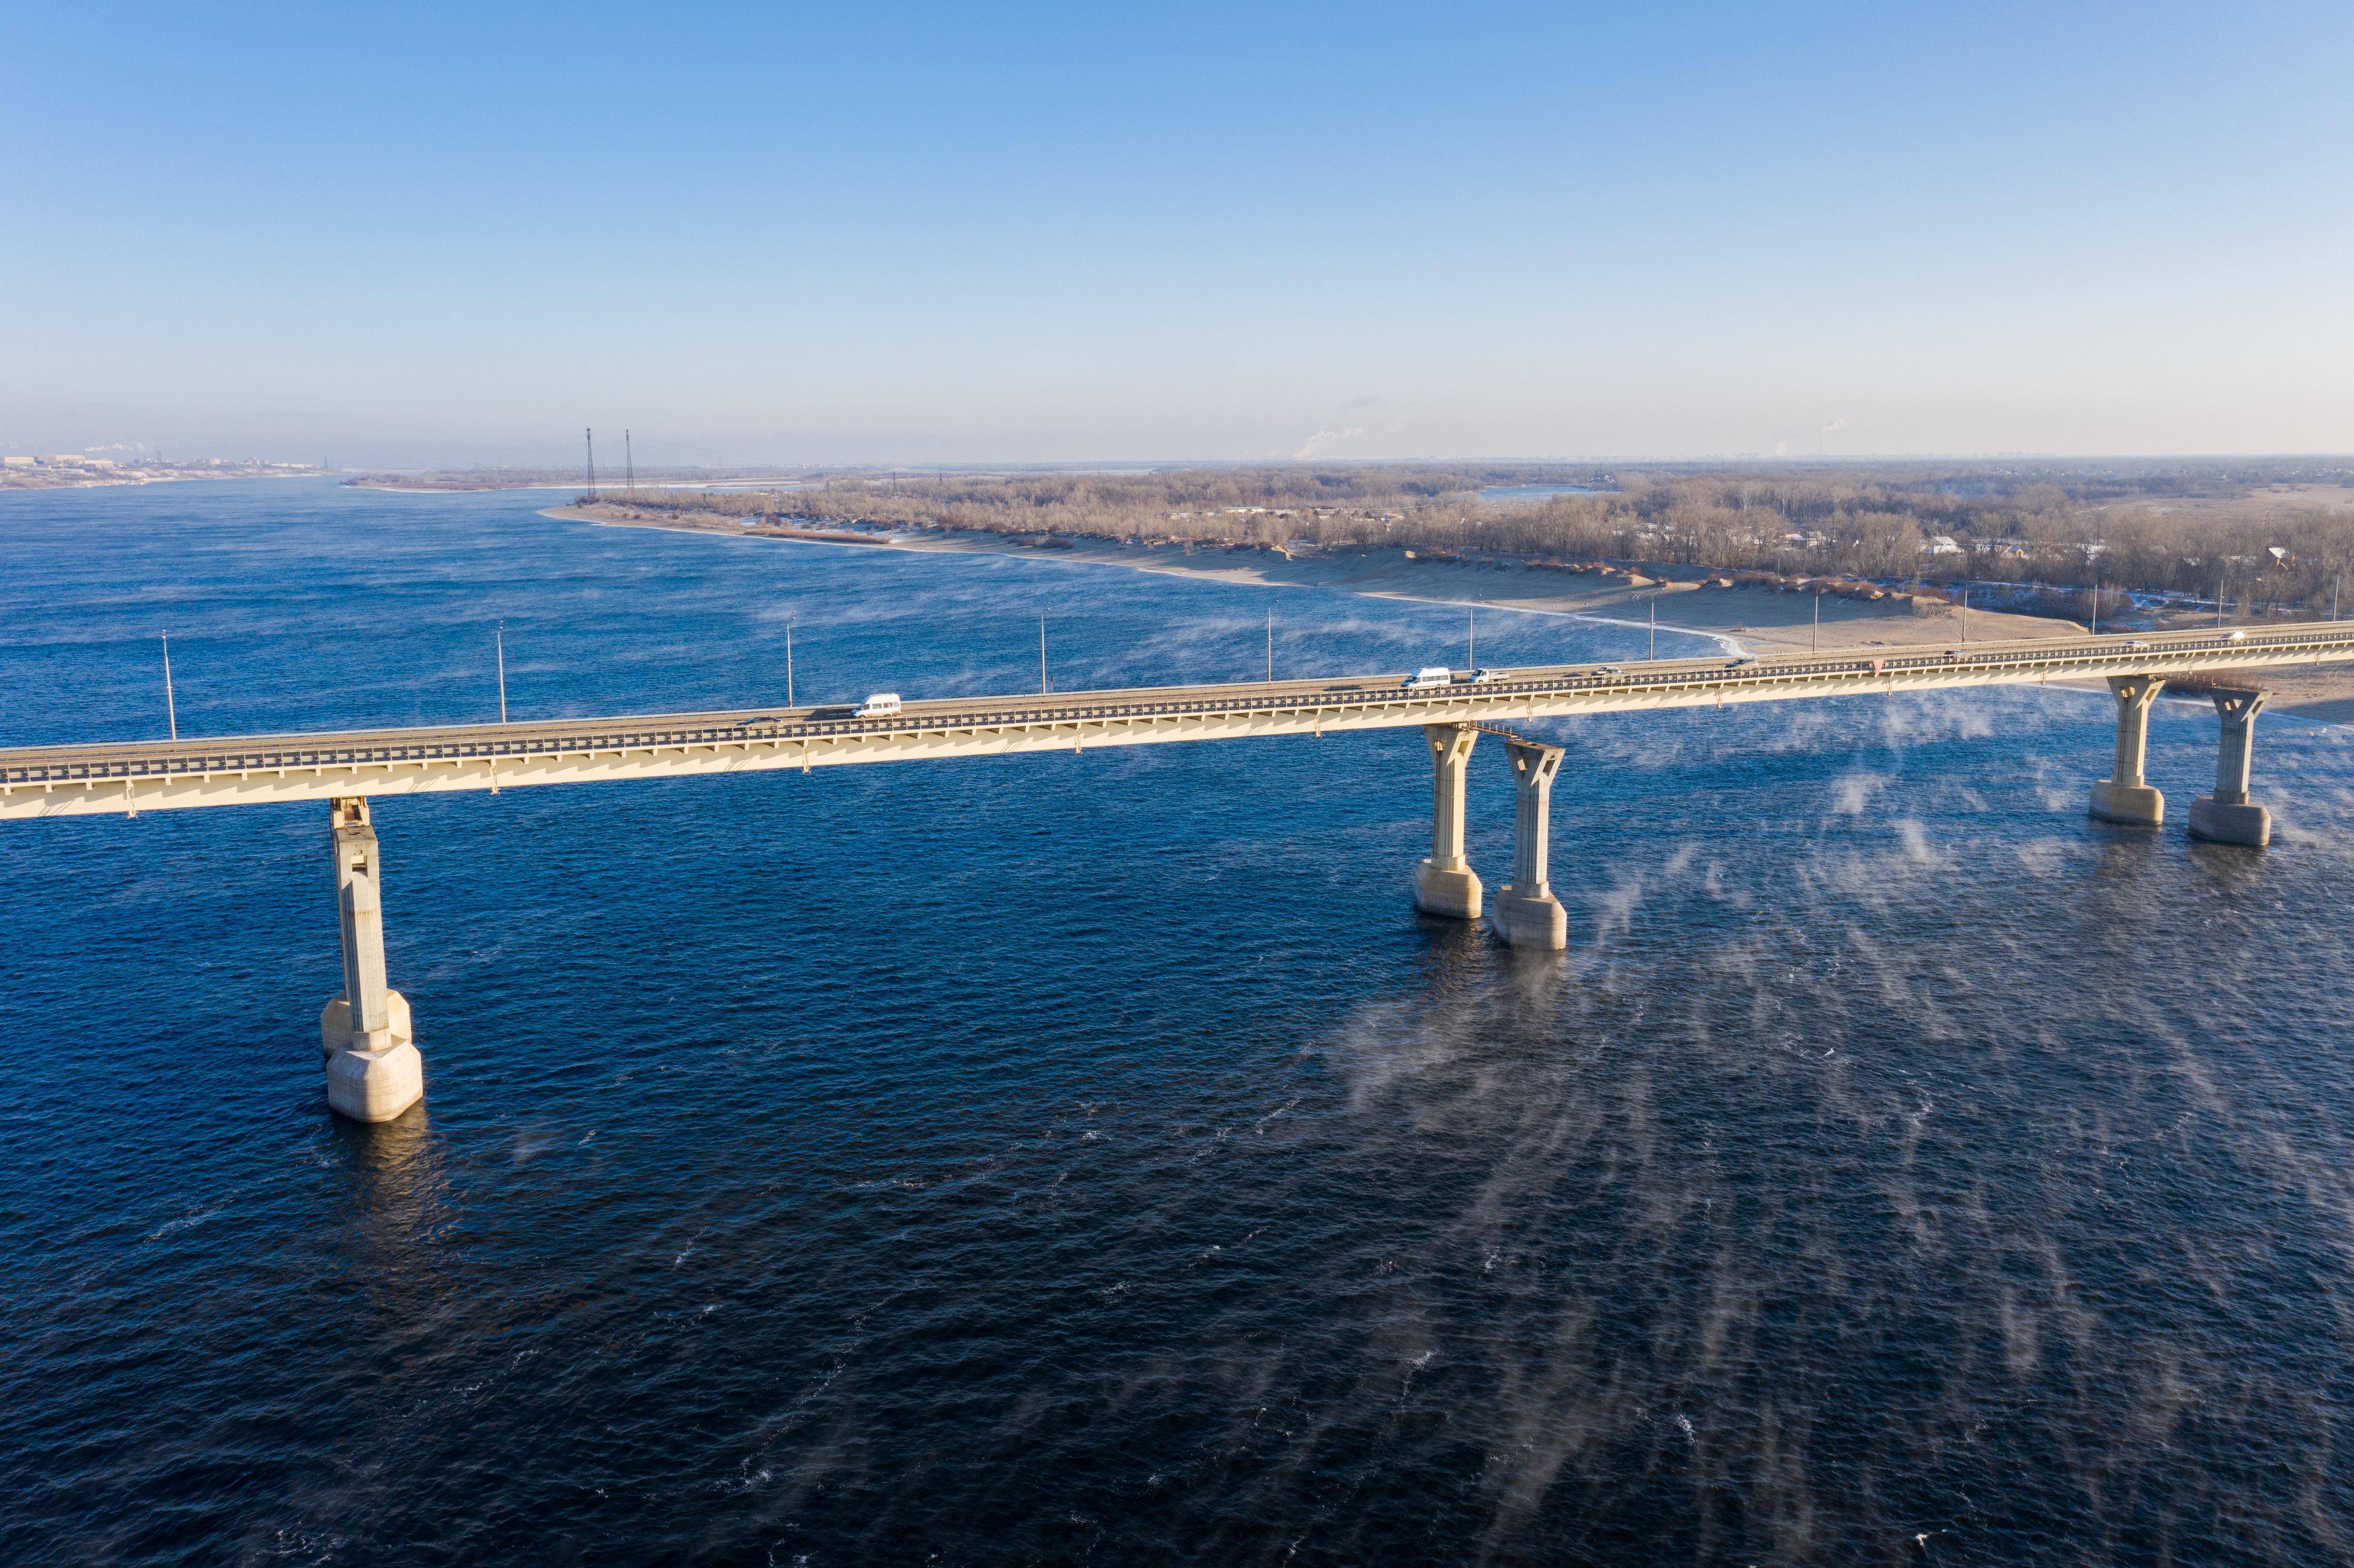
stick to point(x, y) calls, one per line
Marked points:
point(171, 712)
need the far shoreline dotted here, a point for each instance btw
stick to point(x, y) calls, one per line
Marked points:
point(1741, 620)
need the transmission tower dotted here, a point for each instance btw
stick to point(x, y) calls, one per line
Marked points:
point(591, 435)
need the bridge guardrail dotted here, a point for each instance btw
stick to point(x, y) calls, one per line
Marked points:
point(155, 759)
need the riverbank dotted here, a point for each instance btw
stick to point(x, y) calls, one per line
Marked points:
point(70, 477)
point(1683, 599)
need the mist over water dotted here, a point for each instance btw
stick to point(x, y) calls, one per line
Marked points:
point(1093, 1158)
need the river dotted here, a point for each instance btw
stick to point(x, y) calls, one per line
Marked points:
point(1093, 1159)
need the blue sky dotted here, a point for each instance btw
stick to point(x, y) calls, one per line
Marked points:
point(914, 234)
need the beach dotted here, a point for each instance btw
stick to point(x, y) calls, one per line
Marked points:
point(1760, 619)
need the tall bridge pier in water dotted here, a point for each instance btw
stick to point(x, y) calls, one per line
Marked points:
point(374, 1070)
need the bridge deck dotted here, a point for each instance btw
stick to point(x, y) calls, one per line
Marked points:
point(61, 780)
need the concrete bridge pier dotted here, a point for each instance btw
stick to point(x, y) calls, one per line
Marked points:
point(2228, 816)
point(2123, 796)
point(374, 1073)
point(1445, 883)
point(1527, 915)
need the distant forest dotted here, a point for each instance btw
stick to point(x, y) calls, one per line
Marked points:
point(2256, 530)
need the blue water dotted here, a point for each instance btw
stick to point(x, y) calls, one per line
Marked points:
point(1067, 1159)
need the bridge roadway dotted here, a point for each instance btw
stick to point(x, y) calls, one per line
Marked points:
point(135, 776)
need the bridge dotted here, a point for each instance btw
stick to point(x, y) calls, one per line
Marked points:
point(374, 1072)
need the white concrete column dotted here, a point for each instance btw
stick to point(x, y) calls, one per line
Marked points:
point(374, 1073)
point(1446, 884)
point(2123, 796)
point(1527, 915)
point(2228, 816)
point(370, 1014)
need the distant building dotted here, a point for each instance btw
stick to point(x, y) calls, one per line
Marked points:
point(15, 462)
point(1942, 545)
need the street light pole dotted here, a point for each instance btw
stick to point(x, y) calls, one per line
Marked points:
point(171, 711)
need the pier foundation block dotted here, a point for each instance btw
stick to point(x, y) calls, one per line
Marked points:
point(376, 1086)
point(1454, 894)
point(1445, 884)
point(1536, 922)
point(2228, 822)
point(2135, 805)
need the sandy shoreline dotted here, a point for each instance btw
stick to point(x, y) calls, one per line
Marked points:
point(465, 490)
point(1755, 619)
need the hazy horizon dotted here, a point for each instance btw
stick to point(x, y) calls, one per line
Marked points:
point(939, 237)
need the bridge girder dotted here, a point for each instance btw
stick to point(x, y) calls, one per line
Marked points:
point(263, 769)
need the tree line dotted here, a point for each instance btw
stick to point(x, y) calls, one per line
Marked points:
point(2185, 529)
